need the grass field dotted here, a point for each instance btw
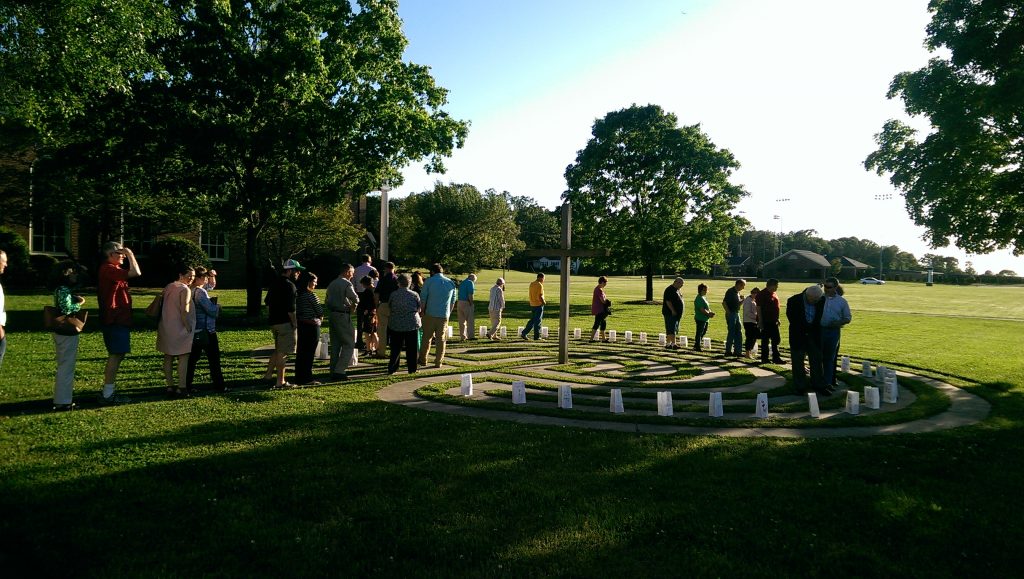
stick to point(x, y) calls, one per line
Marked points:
point(331, 481)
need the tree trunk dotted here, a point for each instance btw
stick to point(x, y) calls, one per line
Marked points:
point(649, 273)
point(253, 274)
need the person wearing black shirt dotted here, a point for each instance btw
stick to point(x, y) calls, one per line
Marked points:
point(388, 283)
point(672, 311)
point(731, 303)
point(804, 314)
point(280, 301)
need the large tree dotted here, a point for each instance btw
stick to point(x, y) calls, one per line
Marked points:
point(963, 178)
point(457, 226)
point(656, 194)
point(68, 69)
point(276, 107)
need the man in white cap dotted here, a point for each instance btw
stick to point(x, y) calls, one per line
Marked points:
point(280, 301)
point(804, 314)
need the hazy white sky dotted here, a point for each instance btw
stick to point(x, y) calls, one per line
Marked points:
point(794, 88)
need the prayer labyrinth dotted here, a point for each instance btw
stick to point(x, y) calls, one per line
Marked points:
point(634, 387)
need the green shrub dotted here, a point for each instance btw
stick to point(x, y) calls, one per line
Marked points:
point(19, 271)
point(167, 255)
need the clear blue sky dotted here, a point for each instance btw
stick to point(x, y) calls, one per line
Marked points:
point(794, 88)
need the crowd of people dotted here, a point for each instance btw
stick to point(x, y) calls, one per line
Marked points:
point(385, 313)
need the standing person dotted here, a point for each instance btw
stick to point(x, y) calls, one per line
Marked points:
point(768, 313)
point(115, 305)
point(465, 307)
point(404, 325)
point(599, 309)
point(835, 314)
point(205, 339)
point(750, 321)
point(804, 312)
point(366, 315)
point(416, 283)
point(702, 314)
point(341, 300)
point(176, 330)
point(437, 302)
point(732, 303)
point(387, 284)
point(365, 268)
point(537, 304)
point(672, 310)
point(308, 313)
point(66, 347)
point(494, 307)
point(3, 310)
point(211, 280)
point(280, 302)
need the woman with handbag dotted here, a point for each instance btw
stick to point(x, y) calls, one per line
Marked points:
point(66, 344)
point(205, 338)
point(176, 330)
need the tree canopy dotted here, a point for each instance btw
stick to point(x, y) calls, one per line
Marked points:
point(251, 113)
point(654, 193)
point(457, 226)
point(963, 179)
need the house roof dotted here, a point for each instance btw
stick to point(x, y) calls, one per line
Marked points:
point(808, 257)
point(850, 262)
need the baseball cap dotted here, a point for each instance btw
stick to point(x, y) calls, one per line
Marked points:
point(292, 264)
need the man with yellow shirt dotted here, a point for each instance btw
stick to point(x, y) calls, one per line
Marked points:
point(537, 306)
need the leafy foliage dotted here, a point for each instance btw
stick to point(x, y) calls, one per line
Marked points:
point(963, 179)
point(167, 255)
point(457, 226)
point(654, 193)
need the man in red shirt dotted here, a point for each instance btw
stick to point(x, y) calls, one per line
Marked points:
point(115, 303)
point(768, 321)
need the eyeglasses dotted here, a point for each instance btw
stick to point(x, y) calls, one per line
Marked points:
point(830, 287)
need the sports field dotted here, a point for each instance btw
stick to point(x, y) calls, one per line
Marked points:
point(332, 481)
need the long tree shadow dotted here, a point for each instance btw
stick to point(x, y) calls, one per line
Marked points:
point(367, 488)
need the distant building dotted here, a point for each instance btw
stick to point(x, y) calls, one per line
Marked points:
point(850, 268)
point(543, 263)
point(798, 264)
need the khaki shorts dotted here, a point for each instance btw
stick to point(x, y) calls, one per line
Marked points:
point(285, 337)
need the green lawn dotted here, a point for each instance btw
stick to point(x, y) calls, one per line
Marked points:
point(330, 481)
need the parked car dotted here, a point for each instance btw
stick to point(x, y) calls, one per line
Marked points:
point(871, 280)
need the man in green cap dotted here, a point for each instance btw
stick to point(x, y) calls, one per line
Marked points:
point(281, 302)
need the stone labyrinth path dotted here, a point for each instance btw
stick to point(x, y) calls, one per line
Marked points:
point(641, 372)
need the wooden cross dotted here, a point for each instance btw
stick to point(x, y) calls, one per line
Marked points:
point(565, 254)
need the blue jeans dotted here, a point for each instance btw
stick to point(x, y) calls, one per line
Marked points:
point(734, 337)
point(535, 318)
point(829, 352)
point(3, 349)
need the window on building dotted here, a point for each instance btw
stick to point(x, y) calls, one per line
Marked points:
point(51, 234)
point(214, 243)
point(139, 237)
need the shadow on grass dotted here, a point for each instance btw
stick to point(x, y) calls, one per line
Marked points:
point(367, 488)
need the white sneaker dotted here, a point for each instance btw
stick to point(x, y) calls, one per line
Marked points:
point(113, 399)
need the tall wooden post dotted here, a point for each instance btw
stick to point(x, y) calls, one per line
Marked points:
point(563, 308)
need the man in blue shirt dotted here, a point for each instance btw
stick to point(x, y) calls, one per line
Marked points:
point(835, 315)
point(465, 307)
point(438, 299)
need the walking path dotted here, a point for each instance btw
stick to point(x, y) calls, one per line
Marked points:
point(607, 359)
